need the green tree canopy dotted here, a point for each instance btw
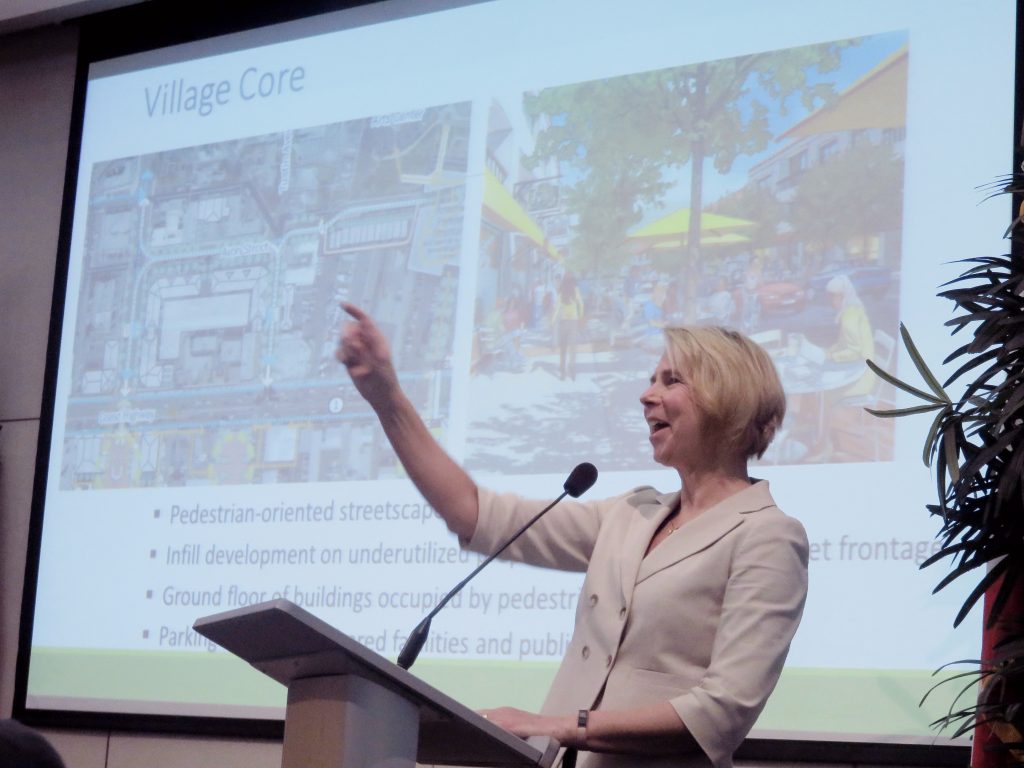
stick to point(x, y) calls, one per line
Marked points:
point(855, 194)
point(619, 137)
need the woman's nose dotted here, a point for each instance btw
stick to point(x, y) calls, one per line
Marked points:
point(648, 396)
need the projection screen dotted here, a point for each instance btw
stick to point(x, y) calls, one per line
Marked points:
point(445, 168)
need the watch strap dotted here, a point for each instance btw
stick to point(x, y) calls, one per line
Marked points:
point(581, 727)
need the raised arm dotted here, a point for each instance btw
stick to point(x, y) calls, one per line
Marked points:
point(365, 353)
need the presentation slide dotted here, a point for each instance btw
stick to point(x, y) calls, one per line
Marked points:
point(738, 163)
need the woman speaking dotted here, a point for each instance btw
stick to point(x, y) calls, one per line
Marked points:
point(690, 599)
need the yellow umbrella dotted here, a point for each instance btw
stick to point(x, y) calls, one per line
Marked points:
point(676, 225)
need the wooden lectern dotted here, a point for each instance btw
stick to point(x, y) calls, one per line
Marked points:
point(349, 707)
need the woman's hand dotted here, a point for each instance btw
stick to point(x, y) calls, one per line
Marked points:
point(523, 724)
point(654, 730)
point(365, 353)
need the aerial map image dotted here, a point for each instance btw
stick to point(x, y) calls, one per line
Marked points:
point(208, 306)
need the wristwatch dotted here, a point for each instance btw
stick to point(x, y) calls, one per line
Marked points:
point(581, 727)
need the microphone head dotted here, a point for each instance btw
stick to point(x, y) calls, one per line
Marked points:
point(581, 479)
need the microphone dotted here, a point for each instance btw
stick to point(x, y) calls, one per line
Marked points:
point(579, 482)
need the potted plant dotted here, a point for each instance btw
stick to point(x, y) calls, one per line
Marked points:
point(977, 445)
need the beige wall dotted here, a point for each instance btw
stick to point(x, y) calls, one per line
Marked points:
point(36, 80)
point(37, 71)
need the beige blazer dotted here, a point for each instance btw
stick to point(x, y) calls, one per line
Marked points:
point(704, 621)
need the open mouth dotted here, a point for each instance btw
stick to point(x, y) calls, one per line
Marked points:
point(657, 426)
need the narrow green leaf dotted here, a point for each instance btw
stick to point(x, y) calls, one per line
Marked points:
point(942, 554)
point(974, 675)
point(940, 481)
point(929, 440)
point(909, 411)
point(948, 664)
point(987, 580)
point(952, 460)
point(953, 575)
point(900, 384)
point(971, 364)
point(922, 368)
point(1013, 224)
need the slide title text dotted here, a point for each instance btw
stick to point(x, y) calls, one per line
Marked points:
point(178, 96)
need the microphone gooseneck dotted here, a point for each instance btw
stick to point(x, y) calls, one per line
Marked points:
point(579, 482)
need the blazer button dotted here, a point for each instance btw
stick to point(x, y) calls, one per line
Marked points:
point(586, 652)
point(622, 612)
point(593, 599)
point(608, 662)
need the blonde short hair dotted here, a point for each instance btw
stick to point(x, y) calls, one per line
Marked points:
point(734, 385)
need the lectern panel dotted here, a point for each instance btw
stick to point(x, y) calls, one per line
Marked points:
point(287, 643)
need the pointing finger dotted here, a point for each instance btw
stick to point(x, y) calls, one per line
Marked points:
point(354, 312)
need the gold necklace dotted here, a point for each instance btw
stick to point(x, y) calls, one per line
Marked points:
point(664, 532)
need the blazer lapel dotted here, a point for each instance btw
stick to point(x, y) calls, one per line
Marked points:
point(704, 530)
point(652, 509)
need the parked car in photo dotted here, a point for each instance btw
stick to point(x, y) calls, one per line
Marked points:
point(781, 296)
